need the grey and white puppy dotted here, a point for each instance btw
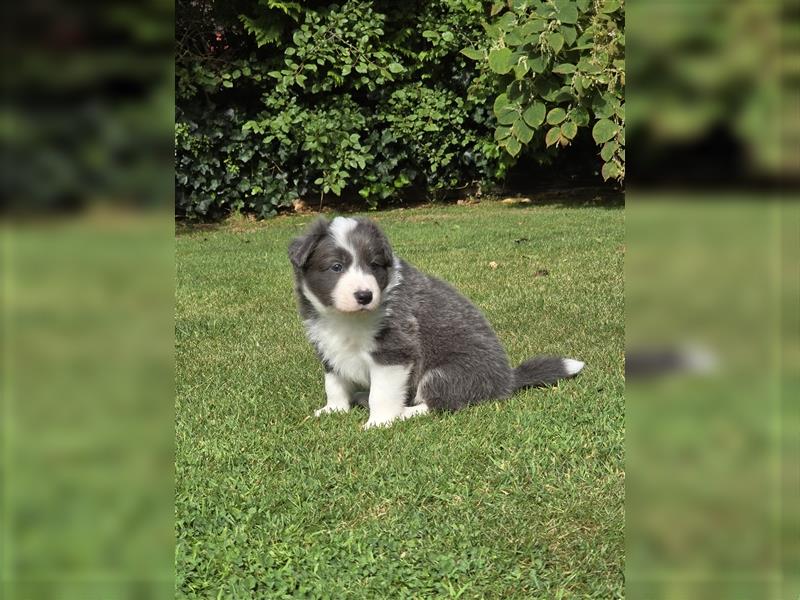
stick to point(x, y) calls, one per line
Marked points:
point(411, 340)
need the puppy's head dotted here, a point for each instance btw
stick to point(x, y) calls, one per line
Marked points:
point(344, 265)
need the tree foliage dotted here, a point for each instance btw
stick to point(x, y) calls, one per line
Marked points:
point(560, 67)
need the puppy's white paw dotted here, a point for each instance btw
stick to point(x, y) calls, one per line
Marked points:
point(413, 411)
point(378, 422)
point(328, 409)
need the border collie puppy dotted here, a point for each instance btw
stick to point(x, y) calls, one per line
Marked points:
point(393, 338)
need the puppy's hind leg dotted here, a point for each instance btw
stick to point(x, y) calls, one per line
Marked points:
point(413, 411)
point(451, 387)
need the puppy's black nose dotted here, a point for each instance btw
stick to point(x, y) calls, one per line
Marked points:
point(363, 297)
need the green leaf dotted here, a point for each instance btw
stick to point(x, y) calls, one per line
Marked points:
point(513, 146)
point(472, 53)
point(493, 31)
point(396, 67)
point(564, 68)
point(227, 84)
point(500, 60)
point(517, 92)
point(609, 6)
point(501, 104)
point(513, 38)
point(537, 64)
point(610, 171)
point(497, 7)
point(521, 69)
point(535, 25)
point(603, 131)
point(547, 87)
point(534, 114)
point(608, 150)
point(556, 41)
point(569, 129)
point(553, 135)
point(521, 131)
point(507, 22)
point(565, 94)
point(505, 112)
point(589, 66)
point(448, 36)
point(507, 118)
point(581, 116)
point(567, 11)
point(569, 34)
point(502, 133)
point(603, 105)
point(556, 115)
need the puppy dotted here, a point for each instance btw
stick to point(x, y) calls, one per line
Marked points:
point(393, 338)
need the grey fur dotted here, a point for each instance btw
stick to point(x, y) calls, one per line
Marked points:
point(540, 371)
point(455, 356)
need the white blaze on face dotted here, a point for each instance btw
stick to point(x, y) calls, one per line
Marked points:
point(354, 279)
point(351, 281)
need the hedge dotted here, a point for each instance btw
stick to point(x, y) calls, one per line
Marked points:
point(281, 100)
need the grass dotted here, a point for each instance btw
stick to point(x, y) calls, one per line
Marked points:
point(519, 499)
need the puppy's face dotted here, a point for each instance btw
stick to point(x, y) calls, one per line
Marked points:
point(343, 265)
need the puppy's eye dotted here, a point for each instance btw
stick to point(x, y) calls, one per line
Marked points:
point(337, 268)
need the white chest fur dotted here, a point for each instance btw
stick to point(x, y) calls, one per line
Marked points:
point(345, 342)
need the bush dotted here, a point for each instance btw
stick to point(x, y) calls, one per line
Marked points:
point(282, 100)
point(560, 66)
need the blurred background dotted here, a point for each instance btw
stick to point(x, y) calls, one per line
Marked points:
point(712, 280)
point(712, 273)
point(86, 434)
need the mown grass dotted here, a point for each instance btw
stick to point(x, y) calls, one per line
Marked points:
point(519, 499)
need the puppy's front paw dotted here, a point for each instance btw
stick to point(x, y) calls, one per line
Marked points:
point(328, 409)
point(378, 422)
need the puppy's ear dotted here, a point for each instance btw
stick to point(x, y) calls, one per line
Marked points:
point(384, 247)
point(300, 248)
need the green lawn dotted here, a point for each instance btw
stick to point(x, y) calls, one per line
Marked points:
point(519, 499)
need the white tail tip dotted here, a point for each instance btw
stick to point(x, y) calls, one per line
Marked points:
point(572, 366)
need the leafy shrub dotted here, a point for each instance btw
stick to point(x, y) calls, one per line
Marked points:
point(560, 65)
point(364, 99)
point(279, 100)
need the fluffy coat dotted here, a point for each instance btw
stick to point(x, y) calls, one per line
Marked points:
point(413, 341)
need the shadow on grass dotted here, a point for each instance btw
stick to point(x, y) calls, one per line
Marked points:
point(573, 197)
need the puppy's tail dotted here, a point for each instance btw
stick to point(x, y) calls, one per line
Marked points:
point(542, 371)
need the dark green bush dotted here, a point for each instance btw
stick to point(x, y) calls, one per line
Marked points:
point(285, 100)
point(363, 98)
